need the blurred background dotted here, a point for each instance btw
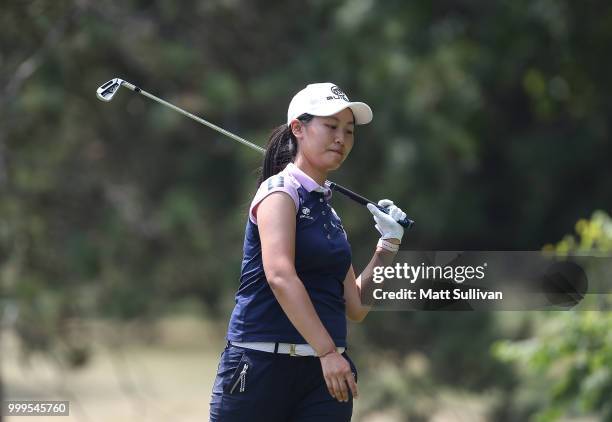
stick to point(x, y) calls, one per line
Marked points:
point(121, 224)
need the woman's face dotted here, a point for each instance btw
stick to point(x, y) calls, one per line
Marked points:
point(325, 142)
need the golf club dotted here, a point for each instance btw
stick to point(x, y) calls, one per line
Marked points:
point(107, 91)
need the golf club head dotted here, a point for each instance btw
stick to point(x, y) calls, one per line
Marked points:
point(107, 91)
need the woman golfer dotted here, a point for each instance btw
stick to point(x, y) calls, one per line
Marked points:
point(285, 358)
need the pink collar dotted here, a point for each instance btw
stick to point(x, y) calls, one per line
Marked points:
point(306, 181)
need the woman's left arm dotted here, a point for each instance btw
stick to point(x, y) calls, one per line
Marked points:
point(355, 287)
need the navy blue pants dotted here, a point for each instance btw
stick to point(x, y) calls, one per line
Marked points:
point(261, 386)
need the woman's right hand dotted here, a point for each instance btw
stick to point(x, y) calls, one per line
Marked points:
point(337, 373)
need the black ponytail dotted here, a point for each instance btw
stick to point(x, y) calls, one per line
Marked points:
point(281, 149)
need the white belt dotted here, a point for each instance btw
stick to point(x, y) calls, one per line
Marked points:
point(284, 348)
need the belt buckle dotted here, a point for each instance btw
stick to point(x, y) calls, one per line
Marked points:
point(292, 349)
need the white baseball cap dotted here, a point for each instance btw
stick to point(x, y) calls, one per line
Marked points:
point(326, 99)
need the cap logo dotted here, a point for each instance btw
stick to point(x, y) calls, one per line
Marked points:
point(338, 94)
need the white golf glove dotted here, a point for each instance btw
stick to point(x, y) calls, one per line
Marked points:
point(387, 224)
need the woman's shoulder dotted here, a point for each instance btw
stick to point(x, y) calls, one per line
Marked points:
point(281, 182)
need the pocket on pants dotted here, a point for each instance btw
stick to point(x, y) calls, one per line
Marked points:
point(244, 389)
point(234, 406)
point(230, 359)
point(238, 381)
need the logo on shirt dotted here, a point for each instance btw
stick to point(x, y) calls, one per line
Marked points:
point(306, 213)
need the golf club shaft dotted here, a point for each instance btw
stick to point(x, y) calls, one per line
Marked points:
point(194, 117)
point(406, 222)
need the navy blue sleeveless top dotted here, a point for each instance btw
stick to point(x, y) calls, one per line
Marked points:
point(322, 260)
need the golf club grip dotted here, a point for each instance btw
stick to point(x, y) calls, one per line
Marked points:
point(406, 222)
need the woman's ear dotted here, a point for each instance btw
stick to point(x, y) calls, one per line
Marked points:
point(297, 128)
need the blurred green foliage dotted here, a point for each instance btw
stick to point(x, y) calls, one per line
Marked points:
point(572, 350)
point(491, 130)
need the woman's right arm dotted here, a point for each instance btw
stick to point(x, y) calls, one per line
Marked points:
point(276, 223)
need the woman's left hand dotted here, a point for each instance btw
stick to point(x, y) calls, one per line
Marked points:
point(387, 224)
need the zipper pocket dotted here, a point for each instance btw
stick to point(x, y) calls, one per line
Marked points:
point(241, 379)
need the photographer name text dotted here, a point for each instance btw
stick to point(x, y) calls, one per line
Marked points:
point(433, 273)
